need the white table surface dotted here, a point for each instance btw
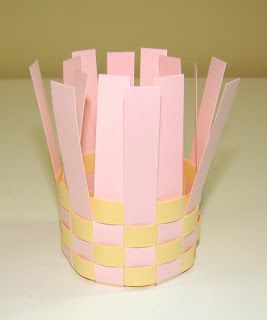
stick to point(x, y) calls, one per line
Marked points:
point(229, 278)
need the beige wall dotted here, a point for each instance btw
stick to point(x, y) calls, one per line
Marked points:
point(193, 30)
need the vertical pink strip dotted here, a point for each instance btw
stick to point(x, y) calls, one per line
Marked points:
point(68, 135)
point(216, 131)
point(109, 142)
point(121, 63)
point(73, 76)
point(208, 105)
point(80, 84)
point(70, 68)
point(88, 64)
point(171, 142)
point(141, 146)
point(194, 145)
point(149, 65)
point(44, 111)
point(169, 66)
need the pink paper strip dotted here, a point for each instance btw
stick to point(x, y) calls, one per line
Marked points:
point(70, 68)
point(169, 231)
point(194, 153)
point(73, 76)
point(109, 234)
point(169, 66)
point(216, 131)
point(82, 248)
point(140, 257)
point(121, 63)
point(109, 142)
point(149, 65)
point(45, 116)
point(141, 146)
point(63, 98)
point(208, 105)
point(168, 270)
point(88, 65)
point(171, 142)
point(80, 84)
point(109, 275)
point(189, 241)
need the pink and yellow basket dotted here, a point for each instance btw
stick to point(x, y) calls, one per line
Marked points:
point(107, 250)
point(128, 200)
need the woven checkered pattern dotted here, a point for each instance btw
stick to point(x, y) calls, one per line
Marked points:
point(108, 251)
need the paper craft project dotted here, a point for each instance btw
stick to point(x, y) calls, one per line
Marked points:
point(129, 200)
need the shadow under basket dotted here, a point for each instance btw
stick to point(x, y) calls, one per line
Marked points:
point(107, 251)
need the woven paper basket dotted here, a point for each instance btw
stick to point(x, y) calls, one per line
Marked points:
point(112, 264)
point(129, 202)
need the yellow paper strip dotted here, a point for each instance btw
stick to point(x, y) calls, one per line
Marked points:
point(169, 251)
point(108, 255)
point(140, 236)
point(139, 277)
point(82, 228)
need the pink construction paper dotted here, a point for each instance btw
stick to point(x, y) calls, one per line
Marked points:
point(141, 147)
point(109, 275)
point(63, 98)
point(169, 66)
point(109, 234)
point(82, 248)
point(73, 76)
point(109, 142)
point(140, 257)
point(194, 145)
point(189, 241)
point(121, 63)
point(169, 231)
point(168, 270)
point(149, 65)
point(64, 215)
point(45, 116)
point(70, 68)
point(216, 131)
point(171, 142)
point(208, 105)
point(88, 65)
point(80, 84)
